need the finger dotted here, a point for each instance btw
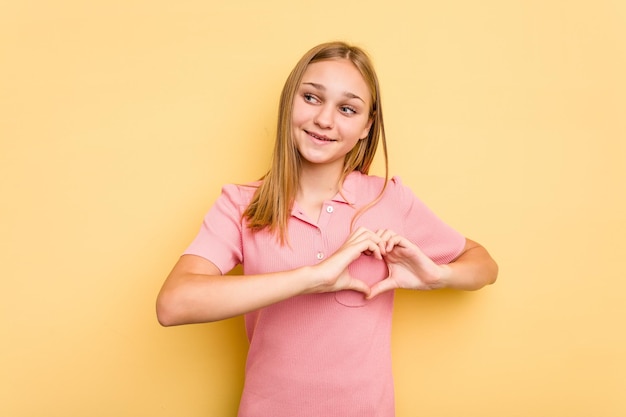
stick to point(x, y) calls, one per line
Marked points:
point(383, 235)
point(394, 241)
point(368, 243)
point(364, 245)
point(360, 286)
point(362, 234)
point(381, 287)
point(372, 248)
point(388, 239)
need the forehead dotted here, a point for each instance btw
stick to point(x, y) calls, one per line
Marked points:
point(339, 75)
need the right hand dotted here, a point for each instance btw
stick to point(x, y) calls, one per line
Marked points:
point(333, 272)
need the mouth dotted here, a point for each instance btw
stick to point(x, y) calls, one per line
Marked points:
point(320, 137)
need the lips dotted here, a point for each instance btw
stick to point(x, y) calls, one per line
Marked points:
point(320, 137)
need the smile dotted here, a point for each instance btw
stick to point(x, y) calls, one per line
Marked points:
point(320, 137)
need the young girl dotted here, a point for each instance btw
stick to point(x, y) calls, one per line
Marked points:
point(323, 245)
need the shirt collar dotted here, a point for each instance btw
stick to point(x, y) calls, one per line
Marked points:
point(347, 193)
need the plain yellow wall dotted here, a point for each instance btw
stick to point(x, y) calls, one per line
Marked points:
point(120, 120)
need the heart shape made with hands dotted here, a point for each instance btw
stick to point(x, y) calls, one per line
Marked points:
point(403, 265)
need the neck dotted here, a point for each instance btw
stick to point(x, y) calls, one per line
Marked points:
point(319, 182)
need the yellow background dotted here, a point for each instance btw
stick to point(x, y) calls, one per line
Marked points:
point(120, 120)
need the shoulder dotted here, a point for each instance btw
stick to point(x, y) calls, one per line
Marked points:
point(371, 186)
point(363, 186)
point(400, 196)
point(360, 180)
point(239, 194)
point(362, 189)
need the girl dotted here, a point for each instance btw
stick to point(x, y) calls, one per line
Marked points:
point(323, 245)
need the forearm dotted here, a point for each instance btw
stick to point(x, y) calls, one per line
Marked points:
point(196, 298)
point(472, 270)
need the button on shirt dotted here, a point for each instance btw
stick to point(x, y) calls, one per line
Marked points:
point(321, 354)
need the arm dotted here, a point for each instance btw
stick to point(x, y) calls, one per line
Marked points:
point(471, 270)
point(196, 291)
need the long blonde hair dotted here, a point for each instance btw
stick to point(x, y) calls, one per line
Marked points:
point(272, 202)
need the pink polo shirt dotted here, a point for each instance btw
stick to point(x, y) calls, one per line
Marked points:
point(321, 354)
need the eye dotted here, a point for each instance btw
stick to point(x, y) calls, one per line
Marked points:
point(310, 98)
point(347, 110)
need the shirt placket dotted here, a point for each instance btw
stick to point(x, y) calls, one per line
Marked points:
point(321, 246)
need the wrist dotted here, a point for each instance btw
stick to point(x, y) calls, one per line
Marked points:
point(312, 284)
point(445, 278)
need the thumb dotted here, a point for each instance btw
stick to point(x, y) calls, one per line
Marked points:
point(360, 286)
point(380, 287)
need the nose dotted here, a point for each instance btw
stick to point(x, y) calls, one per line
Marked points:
point(325, 117)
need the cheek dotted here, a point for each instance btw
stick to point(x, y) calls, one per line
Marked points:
point(354, 129)
point(299, 114)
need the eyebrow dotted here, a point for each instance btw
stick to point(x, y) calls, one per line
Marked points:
point(323, 88)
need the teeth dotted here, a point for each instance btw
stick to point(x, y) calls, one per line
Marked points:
point(320, 138)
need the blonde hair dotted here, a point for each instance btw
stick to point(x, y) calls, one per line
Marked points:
point(272, 202)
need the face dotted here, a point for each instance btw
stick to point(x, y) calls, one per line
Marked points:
point(330, 112)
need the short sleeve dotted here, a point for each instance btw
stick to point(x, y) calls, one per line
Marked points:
point(219, 239)
point(439, 241)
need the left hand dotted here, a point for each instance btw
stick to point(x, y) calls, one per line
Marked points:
point(408, 266)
